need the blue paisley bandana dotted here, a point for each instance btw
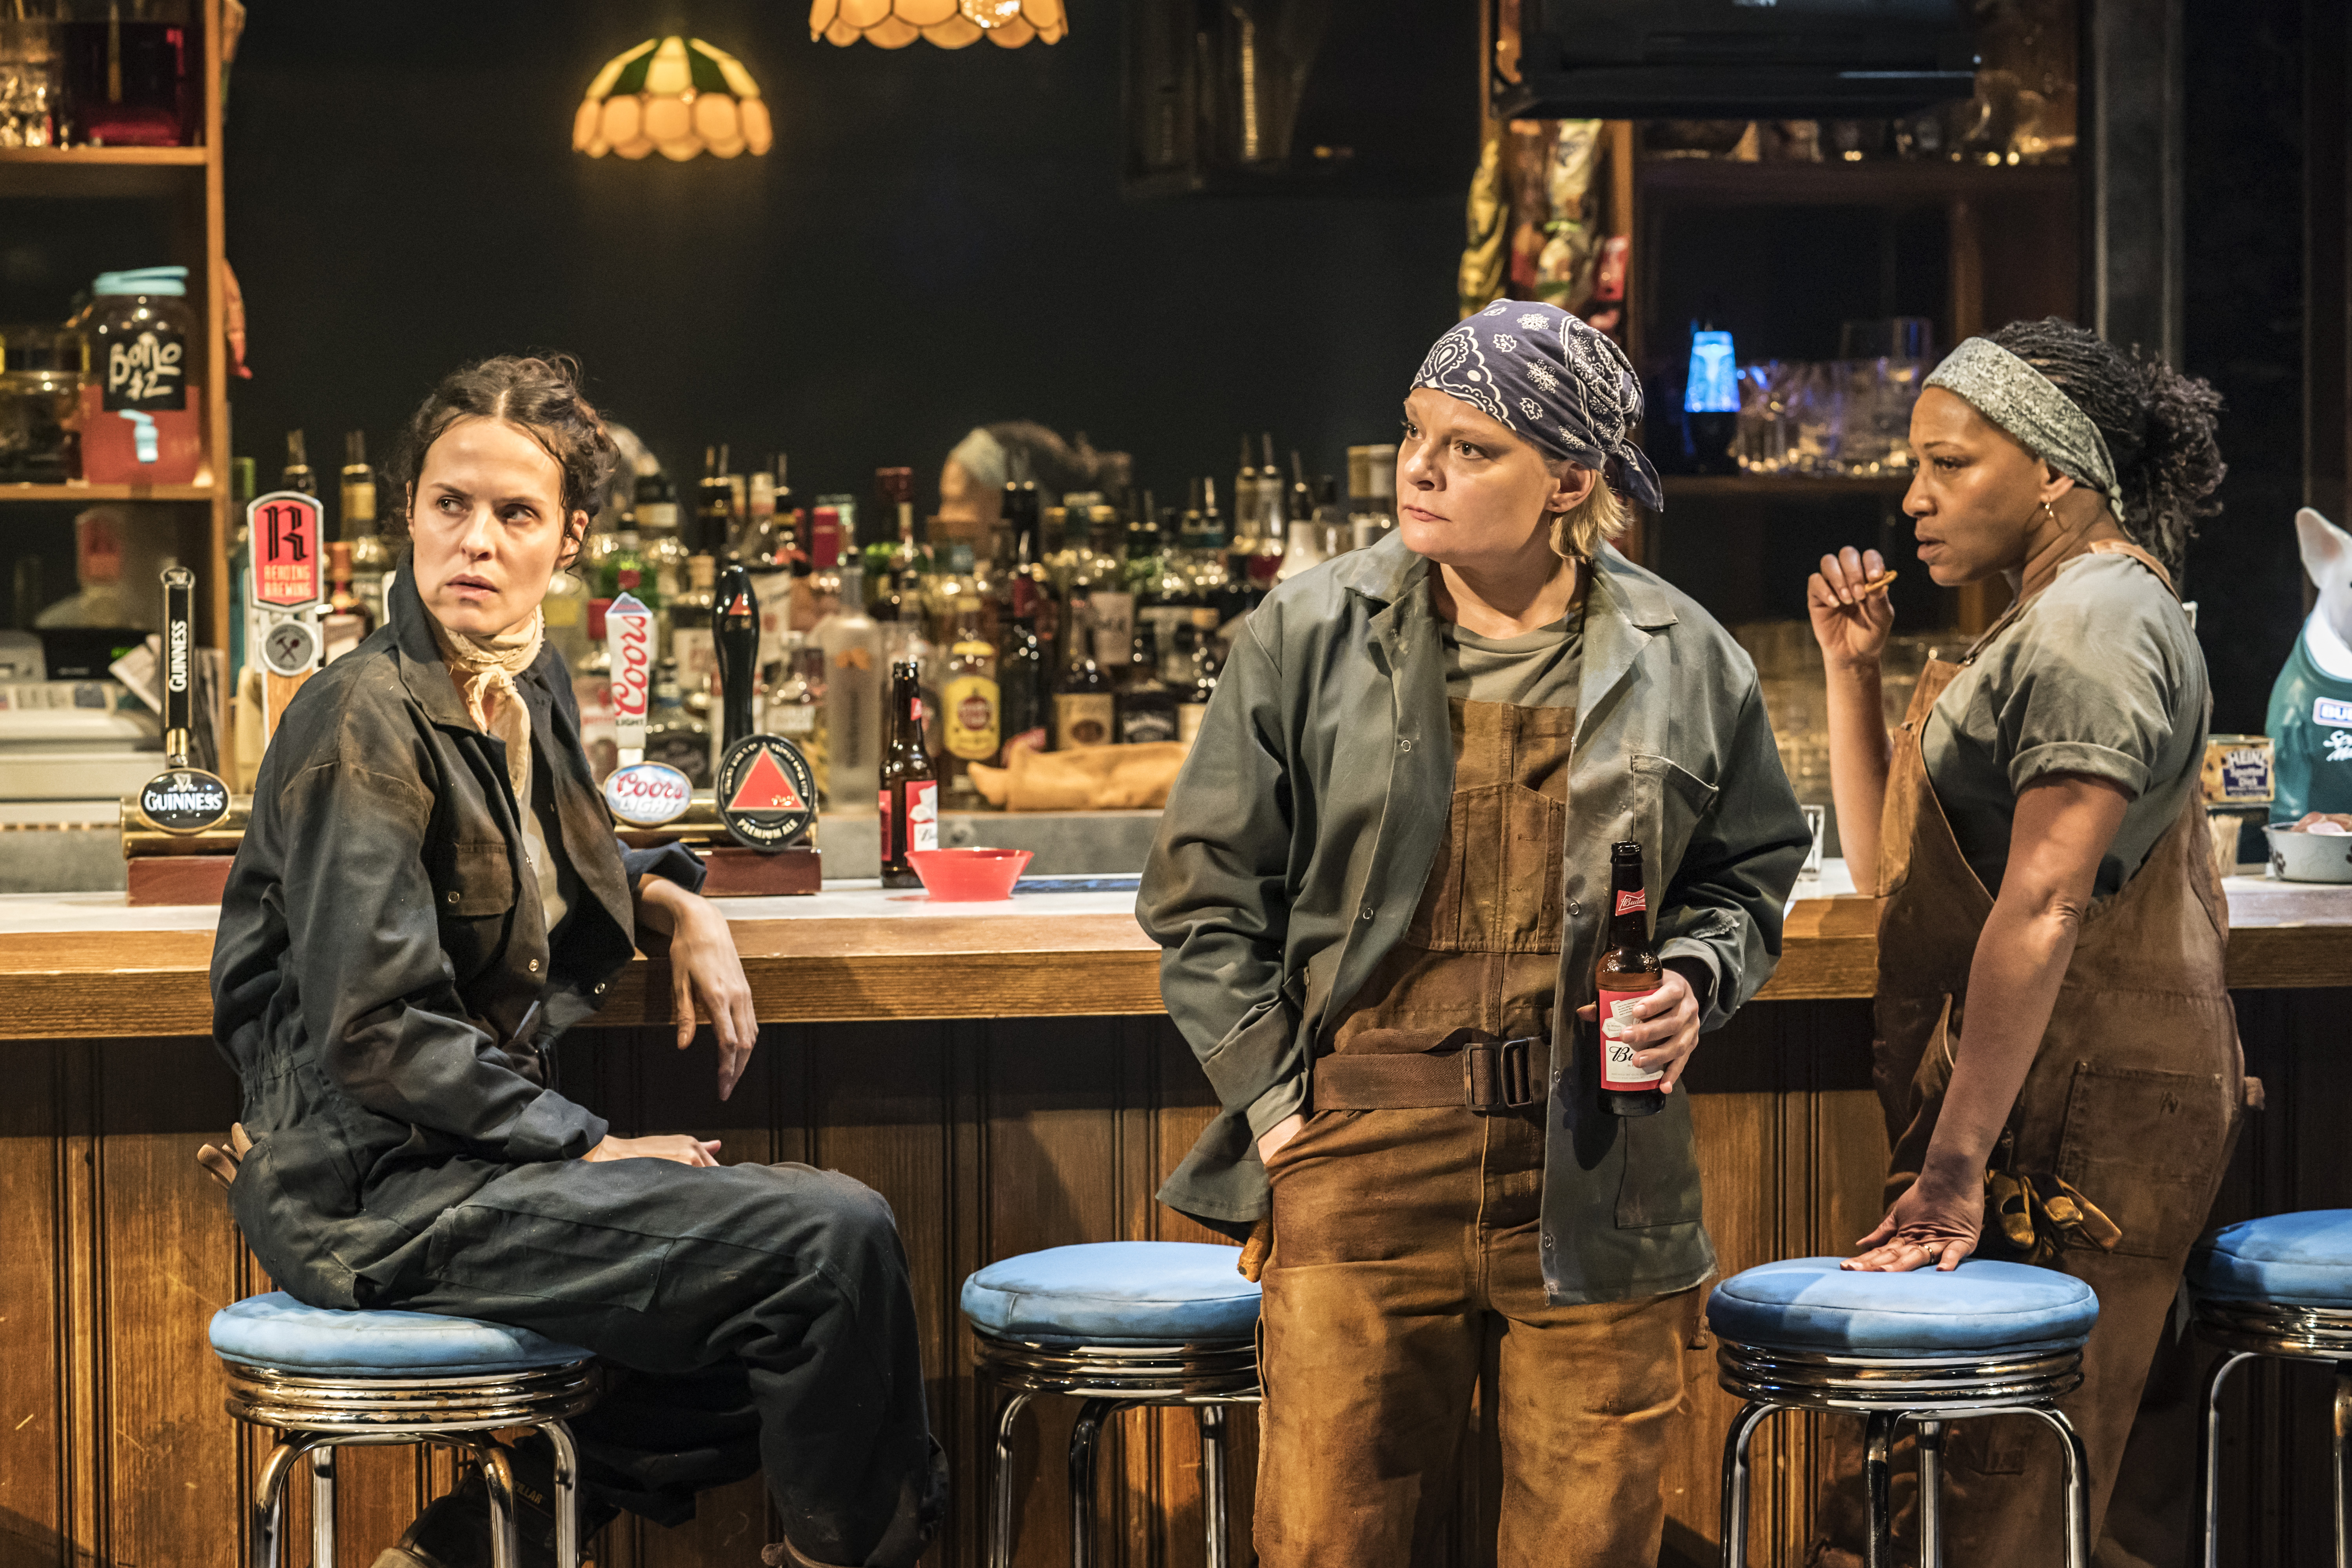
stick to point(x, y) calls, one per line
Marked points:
point(1552, 381)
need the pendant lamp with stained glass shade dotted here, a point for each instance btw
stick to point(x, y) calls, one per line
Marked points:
point(950, 24)
point(673, 96)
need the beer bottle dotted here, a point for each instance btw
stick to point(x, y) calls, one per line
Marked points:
point(910, 798)
point(1629, 970)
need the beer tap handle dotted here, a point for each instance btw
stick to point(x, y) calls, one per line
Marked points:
point(176, 670)
point(735, 631)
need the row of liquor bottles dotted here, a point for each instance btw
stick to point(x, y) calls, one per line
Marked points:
point(1096, 619)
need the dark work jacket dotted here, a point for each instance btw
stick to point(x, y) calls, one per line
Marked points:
point(1299, 833)
point(383, 980)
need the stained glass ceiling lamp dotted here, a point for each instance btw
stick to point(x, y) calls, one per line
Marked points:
point(673, 96)
point(950, 24)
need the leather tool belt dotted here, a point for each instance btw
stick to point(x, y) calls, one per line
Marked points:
point(1468, 1067)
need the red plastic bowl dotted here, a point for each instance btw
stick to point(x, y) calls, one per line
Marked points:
point(969, 876)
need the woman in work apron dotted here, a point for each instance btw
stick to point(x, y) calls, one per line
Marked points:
point(2131, 1102)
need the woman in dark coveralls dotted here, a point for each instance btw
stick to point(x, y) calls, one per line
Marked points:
point(428, 896)
point(2053, 1020)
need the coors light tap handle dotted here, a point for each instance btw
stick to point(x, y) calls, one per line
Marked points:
point(735, 628)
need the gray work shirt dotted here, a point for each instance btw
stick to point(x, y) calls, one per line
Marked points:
point(2099, 674)
point(1298, 836)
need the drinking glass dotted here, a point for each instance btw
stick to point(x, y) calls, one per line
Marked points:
point(1817, 415)
point(28, 83)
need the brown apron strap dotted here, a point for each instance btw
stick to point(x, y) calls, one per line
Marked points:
point(1483, 1074)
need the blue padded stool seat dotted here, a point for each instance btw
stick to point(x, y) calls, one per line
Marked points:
point(1811, 1304)
point(1114, 1293)
point(2289, 1260)
point(277, 1330)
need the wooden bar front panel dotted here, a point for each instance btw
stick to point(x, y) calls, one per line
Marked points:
point(988, 1137)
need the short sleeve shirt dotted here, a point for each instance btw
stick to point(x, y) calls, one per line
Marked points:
point(2101, 675)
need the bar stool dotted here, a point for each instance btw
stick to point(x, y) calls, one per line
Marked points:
point(1927, 1347)
point(1118, 1324)
point(2280, 1286)
point(322, 1380)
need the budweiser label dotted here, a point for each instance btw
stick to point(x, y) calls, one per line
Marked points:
point(922, 815)
point(1617, 1068)
point(629, 635)
point(1629, 899)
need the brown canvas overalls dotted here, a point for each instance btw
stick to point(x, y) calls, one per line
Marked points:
point(1405, 1269)
point(2132, 1098)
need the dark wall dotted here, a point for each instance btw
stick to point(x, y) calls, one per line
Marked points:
point(936, 240)
point(2243, 309)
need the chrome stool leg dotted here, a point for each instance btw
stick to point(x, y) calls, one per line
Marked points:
point(269, 1496)
point(2208, 1460)
point(1734, 1515)
point(498, 1481)
point(1000, 1528)
point(1084, 1434)
point(1929, 1434)
point(322, 1506)
point(1878, 1482)
point(2342, 1452)
point(2078, 1485)
point(1212, 1419)
point(568, 1544)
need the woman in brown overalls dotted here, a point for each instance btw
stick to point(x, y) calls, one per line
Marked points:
point(2055, 1028)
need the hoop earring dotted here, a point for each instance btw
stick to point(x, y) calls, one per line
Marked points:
point(2049, 513)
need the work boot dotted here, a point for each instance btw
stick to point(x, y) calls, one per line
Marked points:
point(454, 1531)
point(922, 1507)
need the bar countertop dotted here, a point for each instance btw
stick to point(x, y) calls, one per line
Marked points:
point(87, 965)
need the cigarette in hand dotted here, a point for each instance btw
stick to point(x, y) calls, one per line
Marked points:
point(1877, 584)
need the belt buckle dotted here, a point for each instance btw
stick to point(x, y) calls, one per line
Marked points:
point(1498, 1074)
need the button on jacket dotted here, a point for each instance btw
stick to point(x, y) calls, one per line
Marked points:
point(383, 979)
point(1299, 836)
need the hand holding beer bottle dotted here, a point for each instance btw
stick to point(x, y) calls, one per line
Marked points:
point(1647, 1014)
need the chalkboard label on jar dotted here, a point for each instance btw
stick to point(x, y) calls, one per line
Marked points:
point(147, 373)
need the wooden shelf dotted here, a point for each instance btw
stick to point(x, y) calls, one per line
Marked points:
point(94, 157)
point(1720, 182)
point(1767, 486)
point(104, 173)
point(82, 492)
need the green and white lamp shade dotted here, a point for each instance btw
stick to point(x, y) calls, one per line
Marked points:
point(675, 96)
point(950, 24)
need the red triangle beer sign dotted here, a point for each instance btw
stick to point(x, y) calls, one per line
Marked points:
point(765, 791)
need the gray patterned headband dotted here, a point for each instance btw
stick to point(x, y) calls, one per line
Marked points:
point(2030, 406)
point(1550, 379)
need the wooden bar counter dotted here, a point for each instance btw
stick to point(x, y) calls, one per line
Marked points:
point(1004, 1076)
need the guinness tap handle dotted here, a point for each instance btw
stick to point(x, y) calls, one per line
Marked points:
point(176, 676)
point(735, 629)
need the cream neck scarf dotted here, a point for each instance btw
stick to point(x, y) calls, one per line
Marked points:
point(485, 668)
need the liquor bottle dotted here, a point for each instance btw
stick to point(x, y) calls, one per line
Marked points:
point(1273, 522)
point(1194, 704)
point(675, 733)
point(1246, 514)
point(759, 542)
point(592, 691)
point(1025, 694)
point(971, 704)
point(690, 644)
point(1302, 495)
point(794, 705)
point(714, 505)
point(298, 475)
point(665, 554)
point(1372, 511)
point(1629, 970)
point(654, 498)
point(1307, 548)
point(852, 645)
point(625, 572)
point(823, 540)
point(243, 486)
point(345, 624)
point(1145, 708)
point(1204, 560)
point(370, 559)
point(909, 796)
point(1110, 605)
point(564, 611)
point(1085, 713)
